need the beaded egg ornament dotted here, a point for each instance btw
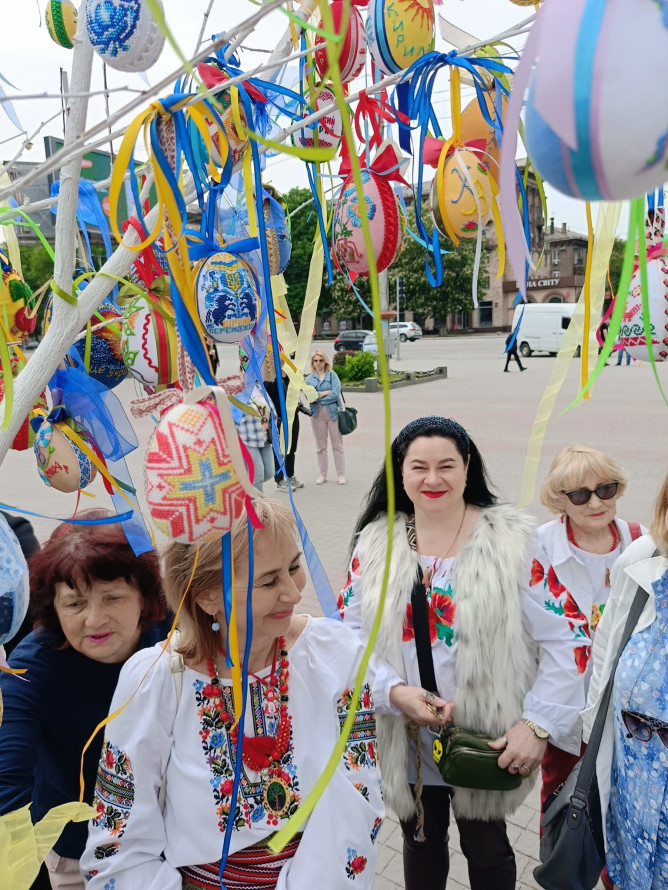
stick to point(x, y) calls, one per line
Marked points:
point(61, 464)
point(398, 32)
point(353, 48)
point(149, 342)
point(277, 227)
point(329, 128)
point(196, 479)
point(212, 75)
point(61, 22)
point(16, 302)
point(106, 364)
point(124, 33)
point(227, 295)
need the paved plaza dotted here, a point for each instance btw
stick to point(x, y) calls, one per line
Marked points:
point(625, 417)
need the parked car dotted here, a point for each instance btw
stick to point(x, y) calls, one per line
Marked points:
point(407, 330)
point(370, 344)
point(350, 340)
point(543, 326)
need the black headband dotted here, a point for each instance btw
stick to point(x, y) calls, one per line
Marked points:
point(428, 426)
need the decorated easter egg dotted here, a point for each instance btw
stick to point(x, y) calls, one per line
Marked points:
point(15, 301)
point(25, 436)
point(61, 22)
point(106, 353)
point(632, 331)
point(149, 344)
point(607, 139)
point(353, 46)
point(329, 127)
point(386, 223)
point(398, 32)
point(227, 296)
point(192, 487)
point(277, 223)
point(124, 33)
point(467, 206)
point(474, 127)
point(61, 464)
point(14, 586)
point(237, 141)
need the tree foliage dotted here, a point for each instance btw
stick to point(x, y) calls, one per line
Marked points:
point(303, 228)
point(36, 264)
point(616, 263)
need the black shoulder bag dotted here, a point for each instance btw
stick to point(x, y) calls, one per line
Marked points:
point(572, 852)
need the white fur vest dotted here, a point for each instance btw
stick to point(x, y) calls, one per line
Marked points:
point(496, 660)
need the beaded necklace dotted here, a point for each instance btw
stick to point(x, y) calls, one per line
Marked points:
point(611, 527)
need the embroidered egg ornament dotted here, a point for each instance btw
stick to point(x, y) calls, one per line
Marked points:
point(15, 300)
point(196, 478)
point(227, 296)
point(467, 206)
point(212, 76)
point(277, 227)
point(25, 437)
point(61, 22)
point(106, 354)
point(329, 128)
point(398, 32)
point(14, 586)
point(61, 464)
point(124, 33)
point(149, 343)
point(353, 45)
point(595, 128)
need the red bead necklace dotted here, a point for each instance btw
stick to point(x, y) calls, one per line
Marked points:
point(260, 752)
point(611, 526)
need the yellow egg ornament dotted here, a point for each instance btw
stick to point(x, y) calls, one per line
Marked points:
point(461, 196)
point(61, 22)
point(474, 126)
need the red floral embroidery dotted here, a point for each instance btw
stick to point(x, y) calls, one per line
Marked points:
point(408, 632)
point(556, 588)
point(537, 573)
point(581, 654)
point(355, 566)
point(358, 864)
point(109, 757)
point(571, 609)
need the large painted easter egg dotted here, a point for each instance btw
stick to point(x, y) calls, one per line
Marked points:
point(106, 354)
point(474, 127)
point(618, 148)
point(277, 223)
point(61, 22)
point(227, 296)
point(353, 46)
point(124, 33)
point(386, 223)
point(632, 331)
point(192, 487)
point(237, 141)
point(467, 206)
point(61, 464)
point(149, 344)
point(398, 32)
point(14, 586)
point(329, 128)
point(15, 296)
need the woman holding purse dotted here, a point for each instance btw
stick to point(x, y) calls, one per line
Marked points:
point(325, 418)
point(496, 650)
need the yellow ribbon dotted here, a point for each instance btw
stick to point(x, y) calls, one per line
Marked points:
point(584, 352)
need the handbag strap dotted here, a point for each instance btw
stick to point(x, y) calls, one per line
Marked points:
point(588, 764)
point(422, 637)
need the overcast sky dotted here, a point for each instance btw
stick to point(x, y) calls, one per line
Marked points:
point(31, 61)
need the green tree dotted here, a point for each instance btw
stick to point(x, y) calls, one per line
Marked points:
point(616, 263)
point(303, 229)
point(36, 264)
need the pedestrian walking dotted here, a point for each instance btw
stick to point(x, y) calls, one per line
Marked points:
point(620, 355)
point(271, 387)
point(255, 432)
point(325, 418)
point(511, 351)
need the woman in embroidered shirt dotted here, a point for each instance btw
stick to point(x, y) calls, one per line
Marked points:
point(577, 553)
point(632, 760)
point(495, 649)
point(94, 604)
point(325, 418)
point(301, 673)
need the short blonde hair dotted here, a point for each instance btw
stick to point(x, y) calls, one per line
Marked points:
point(658, 529)
point(322, 355)
point(571, 466)
point(204, 563)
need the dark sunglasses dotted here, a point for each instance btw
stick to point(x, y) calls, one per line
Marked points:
point(581, 496)
point(642, 728)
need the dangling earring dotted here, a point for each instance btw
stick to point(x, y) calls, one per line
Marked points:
point(215, 626)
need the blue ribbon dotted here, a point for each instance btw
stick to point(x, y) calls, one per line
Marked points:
point(104, 520)
point(226, 551)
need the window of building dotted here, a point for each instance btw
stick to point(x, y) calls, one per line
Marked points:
point(555, 257)
point(485, 313)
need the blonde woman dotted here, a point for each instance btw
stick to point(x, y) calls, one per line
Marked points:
point(579, 550)
point(326, 415)
point(181, 737)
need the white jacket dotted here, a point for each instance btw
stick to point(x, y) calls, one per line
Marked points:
point(635, 567)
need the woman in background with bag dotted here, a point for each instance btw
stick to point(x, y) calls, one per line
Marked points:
point(325, 418)
point(462, 563)
point(632, 762)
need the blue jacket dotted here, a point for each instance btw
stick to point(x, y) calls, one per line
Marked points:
point(329, 381)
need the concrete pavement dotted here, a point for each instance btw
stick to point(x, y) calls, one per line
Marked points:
point(625, 417)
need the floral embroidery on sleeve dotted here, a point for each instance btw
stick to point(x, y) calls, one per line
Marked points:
point(348, 591)
point(376, 828)
point(114, 796)
point(360, 750)
point(355, 865)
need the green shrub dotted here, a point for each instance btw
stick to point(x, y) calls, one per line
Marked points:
point(360, 366)
point(340, 357)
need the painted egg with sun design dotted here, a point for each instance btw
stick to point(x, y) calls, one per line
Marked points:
point(398, 32)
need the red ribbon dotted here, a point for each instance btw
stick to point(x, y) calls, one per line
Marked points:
point(384, 164)
point(147, 265)
point(433, 148)
point(374, 111)
point(213, 76)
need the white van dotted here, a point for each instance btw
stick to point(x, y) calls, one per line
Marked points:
point(543, 326)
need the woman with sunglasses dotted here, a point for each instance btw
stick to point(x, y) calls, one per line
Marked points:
point(579, 549)
point(632, 762)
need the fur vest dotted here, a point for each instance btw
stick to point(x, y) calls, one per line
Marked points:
point(496, 660)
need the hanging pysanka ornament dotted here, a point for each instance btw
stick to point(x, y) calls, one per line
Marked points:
point(196, 480)
point(124, 33)
point(398, 32)
point(227, 295)
point(353, 45)
point(212, 75)
point(61, 22)
point(329, 128)
point(17, 315)
point(61, 463)
point(103, 347)
point(149, 342)
point(461, 195)
point(277, 229)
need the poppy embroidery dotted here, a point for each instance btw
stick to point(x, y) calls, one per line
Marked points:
point(537, 573)
point(345, 596)
point(553, 583)
point(581, 654)
point(441, 610)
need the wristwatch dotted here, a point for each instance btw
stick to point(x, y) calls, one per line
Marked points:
point(538, 731)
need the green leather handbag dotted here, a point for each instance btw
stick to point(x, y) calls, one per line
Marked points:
point(465, 760)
